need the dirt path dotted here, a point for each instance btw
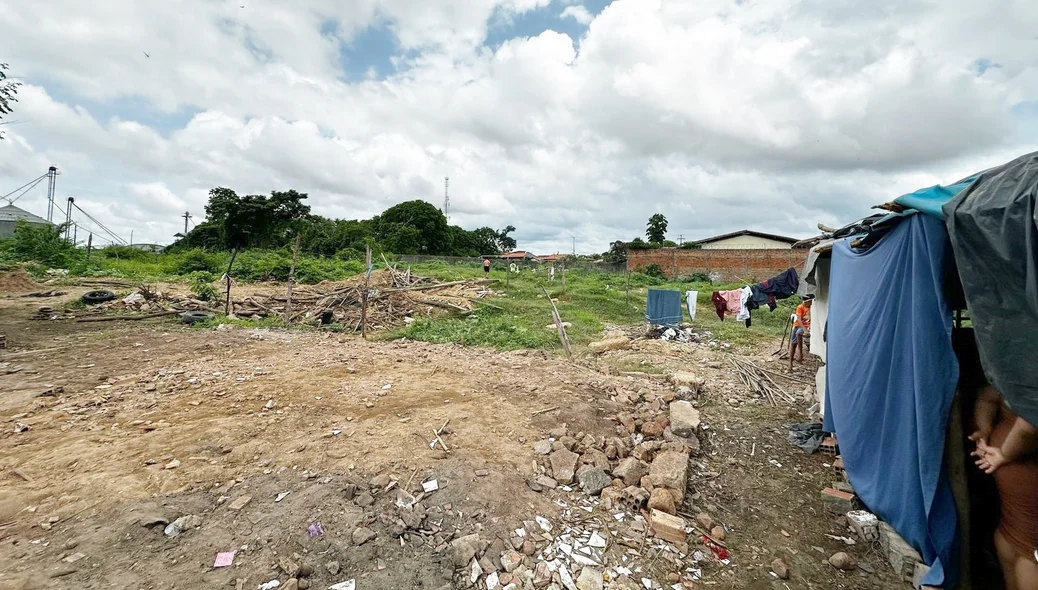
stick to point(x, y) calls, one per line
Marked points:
point(155, 421)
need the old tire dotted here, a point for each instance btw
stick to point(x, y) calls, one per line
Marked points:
point(192, 317)
point(96, 297)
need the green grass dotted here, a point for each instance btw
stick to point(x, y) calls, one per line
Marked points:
point(590, 301)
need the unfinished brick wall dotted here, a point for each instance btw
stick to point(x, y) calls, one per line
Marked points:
point(720, 265)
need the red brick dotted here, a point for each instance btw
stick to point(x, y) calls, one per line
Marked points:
point(839, 502)
point(725, 265)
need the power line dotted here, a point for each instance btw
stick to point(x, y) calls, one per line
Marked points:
point(32, 182)
point(38, 181)
point(99, 224)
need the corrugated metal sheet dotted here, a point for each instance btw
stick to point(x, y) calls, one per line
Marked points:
point(12, 213)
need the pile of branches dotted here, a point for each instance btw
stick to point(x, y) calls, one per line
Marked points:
point(393, 296)
point(758, 381)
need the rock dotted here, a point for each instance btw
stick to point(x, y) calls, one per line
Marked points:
point(568, 442)
point(290, 584)
point(305, 570)
point(184, 523)
point(594, 480)
point(718, 533)
point(590, 579)
point(364, 499)
point(511, 560)
point(660, 499)
point(173, 464)
point(239, 502)
point(780, 568)
point(631, 470)
point(542, 447)
point(596, 458)
point(332, 567)
point(564, 465)
point(463, 550)
point(684, 444)
point(558, 432)
point(670, 470)
point(842, 561)
point(610, 498)
point(541, 575)
point(529, 548)
point(686, 379)
point(645, 450)
point(541, 483)
point(705, 521)
point(653, 428)
point(362, 535)
point(684, 419)
point(673, 578)
point(304, 584)
point(617, 343)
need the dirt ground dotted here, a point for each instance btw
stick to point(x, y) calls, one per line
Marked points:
point(154, 420)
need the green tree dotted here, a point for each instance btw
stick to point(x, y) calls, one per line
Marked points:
point(255, 221)
point(505, 242)
point(617, 252)
point(8, 90)
point(656, 230)
point(432, 237)
point(42, 243)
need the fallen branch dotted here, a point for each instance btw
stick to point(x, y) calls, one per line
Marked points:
point(113, 318)
point(441, 285)
point(545, 411)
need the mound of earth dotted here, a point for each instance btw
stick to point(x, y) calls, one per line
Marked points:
point(16, 281)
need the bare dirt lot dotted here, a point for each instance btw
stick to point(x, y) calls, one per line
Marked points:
point(111, 431)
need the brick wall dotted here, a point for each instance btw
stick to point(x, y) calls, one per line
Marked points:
point(720, 265)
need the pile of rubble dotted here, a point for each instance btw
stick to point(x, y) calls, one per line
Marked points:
point(394, 298)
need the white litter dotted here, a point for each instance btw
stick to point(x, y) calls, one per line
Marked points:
point(430, 486)
point(543, 523)
point(281, 496)
point(347, 585)
point(647, 583)
point(387, 386)
point(269, 585)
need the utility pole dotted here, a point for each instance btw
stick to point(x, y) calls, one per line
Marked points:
point(75, 233)
point(574, 246)
point(187, 215)
point(68, 217)
point(131, 237)
point(90, 244)
point(447, 197)
point(52, 175)
point(681, 240)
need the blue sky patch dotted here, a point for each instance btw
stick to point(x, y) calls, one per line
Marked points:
point(505, 25)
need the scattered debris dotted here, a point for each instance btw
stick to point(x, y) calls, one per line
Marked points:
point(224, 559)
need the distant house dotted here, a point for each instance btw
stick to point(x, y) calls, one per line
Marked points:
point(11, 215)
point(747, 240)
point(517, 255)
point(551, 258)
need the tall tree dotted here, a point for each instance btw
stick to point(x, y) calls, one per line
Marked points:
point(255, 221)
point(505, 242)
point(432, 237)
point(656, 230)
point(8, 90)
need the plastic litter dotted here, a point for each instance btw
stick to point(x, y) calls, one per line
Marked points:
point(347, 585)
point(224, 558)
point(269, 585)
point(315, 529)
point(430, 486)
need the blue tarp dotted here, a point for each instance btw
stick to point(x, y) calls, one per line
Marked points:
point(663, 307)
point(930, 200)
point(891, 376)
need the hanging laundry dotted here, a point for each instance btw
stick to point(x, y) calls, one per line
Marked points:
point(760, 298)
point(719, 304)
point(663, 307)
point(744, 311)
point(691, 297)
point(783, 285)
point(733, 300)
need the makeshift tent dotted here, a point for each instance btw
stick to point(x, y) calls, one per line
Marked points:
point(892, 375)
point(891, 415)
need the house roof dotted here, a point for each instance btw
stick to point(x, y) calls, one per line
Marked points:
point(551, 257)
point(516, 254)
point(12, 213)
point(748, 232)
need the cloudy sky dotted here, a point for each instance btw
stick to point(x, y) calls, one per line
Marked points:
point(574, 120)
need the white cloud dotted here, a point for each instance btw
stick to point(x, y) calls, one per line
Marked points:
point(772, 116)
point(578, 13)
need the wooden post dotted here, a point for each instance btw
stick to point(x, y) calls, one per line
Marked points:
point(364, 295)
point(291, 280)
point(227, 304)
point(90, 245)
point(563, 279)
point(627, 298)
point(558, 325)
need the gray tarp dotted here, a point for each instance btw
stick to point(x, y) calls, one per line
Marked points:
point(993, 226)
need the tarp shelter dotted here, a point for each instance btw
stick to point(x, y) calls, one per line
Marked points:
point(890, 374)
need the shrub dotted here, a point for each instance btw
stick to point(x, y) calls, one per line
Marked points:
point(654, 270)
point(201, 283)
point(196, 260)
point(125, 253)
point(43, 244)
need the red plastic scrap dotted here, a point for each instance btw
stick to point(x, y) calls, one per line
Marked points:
point(719, 551)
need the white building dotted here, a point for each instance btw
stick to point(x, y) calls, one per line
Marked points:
point(747, 240)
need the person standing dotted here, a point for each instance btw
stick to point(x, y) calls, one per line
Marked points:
point(801, 325)
point(1007, 449)
point(486, 268)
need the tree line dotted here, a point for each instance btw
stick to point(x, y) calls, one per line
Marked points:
point(239, 222)
point(655, 232)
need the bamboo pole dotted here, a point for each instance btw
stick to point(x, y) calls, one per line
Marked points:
point(291, 279)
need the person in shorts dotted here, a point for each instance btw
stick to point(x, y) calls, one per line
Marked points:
point(801, 328)
point(486, 268)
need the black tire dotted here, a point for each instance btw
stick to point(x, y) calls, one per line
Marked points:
point(191, 317)
point(96, 297)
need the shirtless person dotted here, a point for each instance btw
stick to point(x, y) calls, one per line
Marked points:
point(1007, 449)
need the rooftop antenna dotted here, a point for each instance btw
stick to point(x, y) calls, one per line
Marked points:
point(447, 197)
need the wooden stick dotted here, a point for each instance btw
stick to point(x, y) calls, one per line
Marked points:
point(112, 318)
point(364, 295)
point(442, 444)
point(291, 279)
point(545, 410)
point(442, 285)
point(227, 305)
point(558, 323)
